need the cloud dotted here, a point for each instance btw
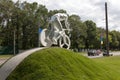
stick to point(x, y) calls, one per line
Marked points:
point(87, 10)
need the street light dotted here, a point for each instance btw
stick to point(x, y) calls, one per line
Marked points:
point(14, 42)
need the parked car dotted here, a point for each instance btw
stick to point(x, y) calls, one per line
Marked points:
point(93, 52)
point(105, 53)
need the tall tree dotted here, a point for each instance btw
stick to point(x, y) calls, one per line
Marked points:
point(115, 40)
point(91, 33)
point(25, 18)
point(33, 16)
point(78, 33)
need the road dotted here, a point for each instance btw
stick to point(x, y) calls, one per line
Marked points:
point(117, 53)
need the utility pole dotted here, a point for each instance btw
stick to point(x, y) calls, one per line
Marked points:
point(107, 41)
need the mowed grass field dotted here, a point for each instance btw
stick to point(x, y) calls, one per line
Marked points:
point(62, 64)
point(5, 56)
point(111, 63)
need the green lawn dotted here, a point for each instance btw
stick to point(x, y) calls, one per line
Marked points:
point(112, 63)
point(5, 56)
point(62, 64)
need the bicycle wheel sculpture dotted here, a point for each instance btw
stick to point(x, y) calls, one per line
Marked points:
point(44, 40)
point(64, 42)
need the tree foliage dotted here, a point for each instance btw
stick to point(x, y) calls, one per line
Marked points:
point(78, 33)
point(25, 19)
point(91, 33)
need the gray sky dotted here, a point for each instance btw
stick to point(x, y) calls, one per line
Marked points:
point(87, 10)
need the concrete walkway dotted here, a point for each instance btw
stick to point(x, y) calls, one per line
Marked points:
point(12, 63)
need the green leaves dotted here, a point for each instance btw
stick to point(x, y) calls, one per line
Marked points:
point(91, 33)
point(25, 18)
point(78, 32)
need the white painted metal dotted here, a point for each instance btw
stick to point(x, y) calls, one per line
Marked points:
point(56, 32)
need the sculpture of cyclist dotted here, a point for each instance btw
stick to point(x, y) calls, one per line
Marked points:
point(58, 23)
point(56, 31)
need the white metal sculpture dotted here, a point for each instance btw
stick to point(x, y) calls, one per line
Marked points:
point(57, 32)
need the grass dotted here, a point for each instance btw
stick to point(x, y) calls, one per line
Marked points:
point(82, 53)
point(62, 64)
point(112, 63)
point(5, 56)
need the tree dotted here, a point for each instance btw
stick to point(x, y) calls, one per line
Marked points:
point(25, 18)
point(114, 44)
point(91, 34)
point(32, 17)
point(78, 33)
point(6, 11)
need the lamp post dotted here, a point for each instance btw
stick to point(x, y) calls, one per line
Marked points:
point(14, 34)
point(14, 43)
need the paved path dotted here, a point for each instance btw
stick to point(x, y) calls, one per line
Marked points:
point(11, 64)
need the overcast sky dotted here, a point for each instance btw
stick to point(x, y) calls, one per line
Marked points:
point(87, 10)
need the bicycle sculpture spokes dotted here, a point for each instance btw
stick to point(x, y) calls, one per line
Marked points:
point(57, 33)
